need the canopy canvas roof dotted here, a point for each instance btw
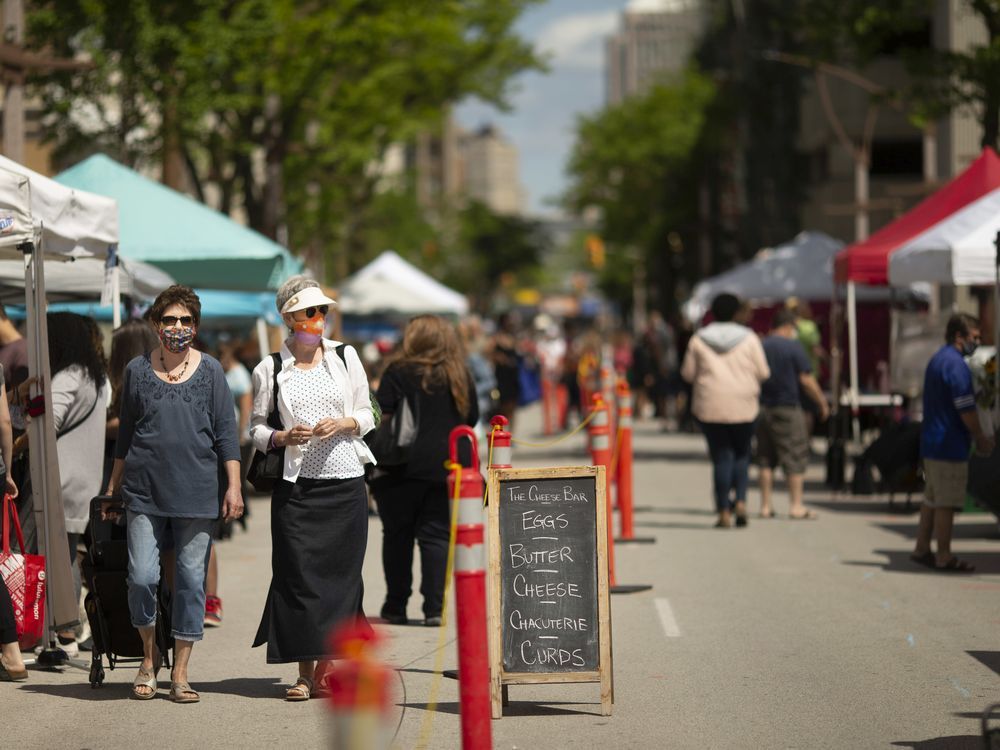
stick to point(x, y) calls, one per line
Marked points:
point(83, 279)
point(193, 243)
point(73, 222)
point(867, 262)
point(800, 268)
point(958, 250)
point(390, 284)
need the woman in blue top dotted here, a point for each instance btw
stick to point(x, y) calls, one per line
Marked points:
point(176, 429)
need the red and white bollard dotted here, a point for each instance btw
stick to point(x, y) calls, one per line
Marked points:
point(600, 455)
point(500, 443)
point(359, 687)
point(470, 596)
point(623, 470)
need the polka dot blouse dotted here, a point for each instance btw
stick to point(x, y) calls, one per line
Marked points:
point(315, 394)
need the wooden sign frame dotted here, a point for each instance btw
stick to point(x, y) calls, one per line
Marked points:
point(501, 679)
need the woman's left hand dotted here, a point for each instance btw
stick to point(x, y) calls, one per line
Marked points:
point(328, 427)
point(232, 504)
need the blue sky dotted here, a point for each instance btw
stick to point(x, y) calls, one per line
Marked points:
point(571, 34)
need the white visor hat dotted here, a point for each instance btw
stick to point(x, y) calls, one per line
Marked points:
point(311, 296)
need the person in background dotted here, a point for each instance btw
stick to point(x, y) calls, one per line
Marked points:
point(13, 352)
point(781, 432)
point(431, 374)
point(950, 425)
point(487, 395)
point(238, 380)
point(319, 506)
point(809, 336)
point(506, 361)
point(177, 469)
point(725, 365)
point(12, 667)
point(78, 410)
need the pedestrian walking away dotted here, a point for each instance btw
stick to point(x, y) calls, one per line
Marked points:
point(782, 432)
point(950, 425)
point(725, 365)
point(430, 374)
point(319, 505)
point(177, 454)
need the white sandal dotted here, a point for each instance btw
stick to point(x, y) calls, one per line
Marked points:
point(300, 691)
point(144, 679)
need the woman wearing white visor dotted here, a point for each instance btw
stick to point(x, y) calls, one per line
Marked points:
point(319, 507)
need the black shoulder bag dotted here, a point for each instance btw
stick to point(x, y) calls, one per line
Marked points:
point(267, 468)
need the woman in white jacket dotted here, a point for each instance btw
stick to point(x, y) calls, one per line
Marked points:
point(319, 508)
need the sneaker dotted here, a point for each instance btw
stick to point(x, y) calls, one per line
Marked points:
point(213, 611)
point(432, 622)
point(69, 645)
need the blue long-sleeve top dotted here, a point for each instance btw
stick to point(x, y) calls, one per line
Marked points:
point(174, 438)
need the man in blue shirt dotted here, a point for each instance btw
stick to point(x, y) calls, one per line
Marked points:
point(950, 423)
point(782, 434)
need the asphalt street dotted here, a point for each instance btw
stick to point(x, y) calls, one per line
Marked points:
point(786, 634)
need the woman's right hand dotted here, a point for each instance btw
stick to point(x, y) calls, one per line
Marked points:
point(106, 513)
point(298, 435)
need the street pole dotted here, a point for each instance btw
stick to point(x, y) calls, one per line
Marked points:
point(13, 101)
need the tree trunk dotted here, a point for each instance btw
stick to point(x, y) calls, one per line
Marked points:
point(173, 159)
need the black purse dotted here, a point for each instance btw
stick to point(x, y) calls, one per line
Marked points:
point(267, 468)
point(394, 437)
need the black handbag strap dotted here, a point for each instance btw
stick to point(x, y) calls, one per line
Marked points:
point(274, 418)
point(66, 430)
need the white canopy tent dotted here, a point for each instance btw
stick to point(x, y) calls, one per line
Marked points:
point(963, 249)
point(390, 284)
point(84, 279)
point(39, 218)
point(800, 268)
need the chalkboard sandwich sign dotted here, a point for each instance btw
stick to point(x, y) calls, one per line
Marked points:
point(549, 616)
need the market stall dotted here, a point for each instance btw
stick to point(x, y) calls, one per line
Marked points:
point(40, 218)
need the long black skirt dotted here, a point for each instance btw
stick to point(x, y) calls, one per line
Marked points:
point(319, 531)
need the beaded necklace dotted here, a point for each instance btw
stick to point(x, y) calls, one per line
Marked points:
point(172, 378)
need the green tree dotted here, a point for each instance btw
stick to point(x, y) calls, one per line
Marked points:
point(280, 108)
point(856, 32)
point(636, 163)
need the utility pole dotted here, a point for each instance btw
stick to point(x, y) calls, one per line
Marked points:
point(16, 63)
point(13, 100)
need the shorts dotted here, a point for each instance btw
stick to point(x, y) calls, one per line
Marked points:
point(782, 439)
point(945, 483)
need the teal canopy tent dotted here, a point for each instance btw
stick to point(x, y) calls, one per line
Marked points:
point(195, 244)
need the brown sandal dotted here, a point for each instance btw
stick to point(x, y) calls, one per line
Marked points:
point(300, 691)
point(181, 692)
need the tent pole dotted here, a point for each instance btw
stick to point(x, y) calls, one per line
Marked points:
point(996, 333)
point(61, 604)
point(852, 343)
point(116, 293)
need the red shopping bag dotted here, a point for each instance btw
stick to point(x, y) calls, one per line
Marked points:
point(24, 576)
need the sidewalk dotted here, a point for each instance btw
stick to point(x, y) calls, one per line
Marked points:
point(786, 634)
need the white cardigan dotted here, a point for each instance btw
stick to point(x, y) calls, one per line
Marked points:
point(353, 380)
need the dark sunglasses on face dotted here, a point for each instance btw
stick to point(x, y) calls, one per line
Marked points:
point(310, 312)
point(171, 320)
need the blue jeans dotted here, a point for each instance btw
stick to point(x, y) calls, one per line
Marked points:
point(729, 447)
point(147, 537)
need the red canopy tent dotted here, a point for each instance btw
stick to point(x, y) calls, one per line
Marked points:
point(867, 261)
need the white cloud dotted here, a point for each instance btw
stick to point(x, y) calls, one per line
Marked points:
point(653, 6)
point(578, 41)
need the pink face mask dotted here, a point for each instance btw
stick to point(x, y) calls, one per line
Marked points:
point(309, 332)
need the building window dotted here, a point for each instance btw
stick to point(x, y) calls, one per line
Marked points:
point(897, 157)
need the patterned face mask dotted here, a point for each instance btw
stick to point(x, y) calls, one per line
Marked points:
point(309, 332)
point(177, 340)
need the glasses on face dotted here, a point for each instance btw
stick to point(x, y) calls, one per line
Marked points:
point(171, 320)
point(310, 312)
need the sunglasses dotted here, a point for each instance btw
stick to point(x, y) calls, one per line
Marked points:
point(171, 320)
point(311, 312)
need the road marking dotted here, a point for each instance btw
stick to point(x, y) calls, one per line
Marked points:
point(667, 620)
